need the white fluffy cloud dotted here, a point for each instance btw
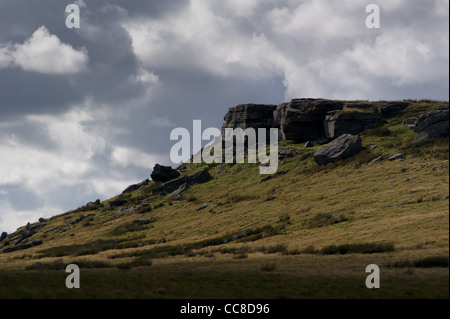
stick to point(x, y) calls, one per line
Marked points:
point(44, 53)
point(321, 48)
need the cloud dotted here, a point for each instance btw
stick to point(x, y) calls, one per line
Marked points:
point(44, 53)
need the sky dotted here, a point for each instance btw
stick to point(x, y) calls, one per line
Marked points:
point(85, 112)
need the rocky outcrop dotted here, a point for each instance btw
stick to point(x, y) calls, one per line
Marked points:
point(163, 173)
point(350, 123)
point(137, 186)
point(184, 182)
point(432, 124)
point(250, 115)
point(344, 146)
point(390, 109)
point(302, 119)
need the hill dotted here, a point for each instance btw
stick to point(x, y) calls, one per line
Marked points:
point(307, 231)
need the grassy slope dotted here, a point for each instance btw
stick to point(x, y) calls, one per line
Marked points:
point(262, 239)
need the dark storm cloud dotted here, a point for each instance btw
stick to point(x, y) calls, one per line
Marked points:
point(111, 63)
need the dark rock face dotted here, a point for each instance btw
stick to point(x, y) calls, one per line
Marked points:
point(350, 123)
point(134, 187)
point(392, 108)
point(163, 173)
point(432, 124)
point(3, 236)
point(344, 146)
point(250, 115)
point(184, 182)
point(116, 203)
point(302, 119)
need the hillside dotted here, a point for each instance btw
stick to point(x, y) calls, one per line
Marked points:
point(307, 231)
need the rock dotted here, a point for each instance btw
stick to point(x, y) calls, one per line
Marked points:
point(446, 196)
point(163, 173)
point(134, 187)
point(194, 179)
point(432, 124)
point(220, 169)
point(265, 179)
point(250, 115)
point(285, 153)
point(372, 147)
point(344, 146)
point(42, 220)
point(309, 144)
point(17, 248)
point(396, 157)
point(180, 189)
point(116, 203)
point(410, 123)
point(3, 236)
point(350, 123)
point(202, 207)
point(302, 119)
point(390, 109)
point(376, 159)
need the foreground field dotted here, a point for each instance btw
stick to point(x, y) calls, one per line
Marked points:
point(292, 277)
point(305, 232)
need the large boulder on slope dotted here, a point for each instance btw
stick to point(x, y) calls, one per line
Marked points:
point(344, 146)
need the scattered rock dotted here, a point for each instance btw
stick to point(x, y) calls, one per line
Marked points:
point(372, 147)
point(392, 108)
point(309, 144)
point(285, 153)
point(173, 185)
point(344, 146)
point(202, 207)
point(376, 159)
point(402, 170)
point(163, 173)
point(410, 123)
point(3, 236)
point(432, 124)
point(116, 203)
point(396, 157)
point(134, 187)
point(265, 179)
point(220, 169)
point(446, 196)
point(42, 220)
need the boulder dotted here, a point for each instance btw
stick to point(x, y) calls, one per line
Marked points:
point(116, 203)
point(249, 115)
point(396, 157)
point(350, 123)
point(302, 119)
point(3, 236)
point(163, 173)
point(376, 159)
point(390, 109)
point(344, 146)
point(134, 187)
point(184, 182)
point(432, 124)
